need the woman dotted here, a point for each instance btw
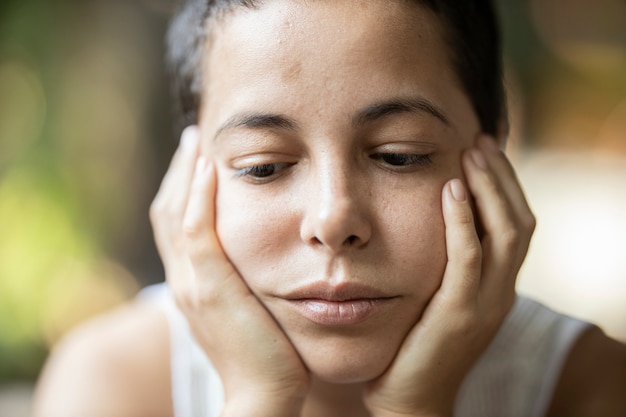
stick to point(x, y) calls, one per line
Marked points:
point(340, 232)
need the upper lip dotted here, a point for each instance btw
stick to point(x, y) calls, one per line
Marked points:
point(345, 291)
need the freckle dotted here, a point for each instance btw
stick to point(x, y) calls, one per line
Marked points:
point(292, 72)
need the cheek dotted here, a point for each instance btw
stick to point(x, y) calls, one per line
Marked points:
point(415, 235)
point(252, 230)
point(260, 234)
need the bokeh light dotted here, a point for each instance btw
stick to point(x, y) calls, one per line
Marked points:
point(577, 261)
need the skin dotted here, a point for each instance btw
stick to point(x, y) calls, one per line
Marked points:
point(353, 194)
point(334, 210)
point(288, 230)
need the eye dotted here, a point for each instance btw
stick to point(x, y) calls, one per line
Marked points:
point(403, 159)
point(261, 172)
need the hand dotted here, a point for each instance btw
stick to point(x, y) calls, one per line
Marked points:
point(477, 291)
point(260, 369)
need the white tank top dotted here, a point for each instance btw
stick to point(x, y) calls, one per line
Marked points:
point(515, 377)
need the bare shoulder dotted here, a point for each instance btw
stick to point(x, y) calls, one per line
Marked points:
point(593, 381)
point(114, 365)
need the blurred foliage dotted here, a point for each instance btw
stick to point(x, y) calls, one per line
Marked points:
point(86, 134)
point(566, 61)
point(82, 98)
point(38, 247)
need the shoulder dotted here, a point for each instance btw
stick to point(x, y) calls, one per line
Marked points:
point(593, 380)
point(116, 364)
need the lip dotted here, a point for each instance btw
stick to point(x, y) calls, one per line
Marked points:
point(338, 305)
point(344, 291)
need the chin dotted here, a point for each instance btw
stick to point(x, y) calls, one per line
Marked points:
point(346, 375)
point(347, 361)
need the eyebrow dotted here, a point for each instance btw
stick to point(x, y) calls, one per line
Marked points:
point(258, 120)
point(368, 114)
point(397, 106)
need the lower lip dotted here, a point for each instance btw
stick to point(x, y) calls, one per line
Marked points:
point(339, 313)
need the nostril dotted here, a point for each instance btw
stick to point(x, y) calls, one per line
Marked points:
point(351, 239)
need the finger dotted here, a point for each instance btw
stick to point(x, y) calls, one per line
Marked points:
point(502, 236)
point(506, 176)
point(168, 206)
point(199, 219)
point(510, 185)
point(461, 279)
point(213, 271)
point(175, 185)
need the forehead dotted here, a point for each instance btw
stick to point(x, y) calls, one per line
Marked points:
point(340, 20)
point(298, 31)
point(299, 50)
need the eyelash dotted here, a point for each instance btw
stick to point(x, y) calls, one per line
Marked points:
point(407, 160)
point(261, 172)
point(264, 172)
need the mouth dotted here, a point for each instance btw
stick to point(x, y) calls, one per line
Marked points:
point(338, 305)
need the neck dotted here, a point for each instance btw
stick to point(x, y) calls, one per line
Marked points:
point(330, 400)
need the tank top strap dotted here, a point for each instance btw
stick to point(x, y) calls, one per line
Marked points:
point(521, 368)
point(196, 387)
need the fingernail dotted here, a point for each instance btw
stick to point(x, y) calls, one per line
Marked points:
point(488, 143)
point(189, 138)
point(479, 159)
point(457, 189)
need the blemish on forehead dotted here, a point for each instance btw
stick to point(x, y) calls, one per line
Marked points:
point(291, 72)
point(287, 23)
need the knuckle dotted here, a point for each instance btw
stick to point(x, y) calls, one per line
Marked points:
point(194, 300)
point(465, 218)
point(200, 247)
point(175, 211)
point(199, 251)
point(511, 238)
point(530, 223)
point(156, 209)
point(207, 299)
point(185, 298)
point(162, 208)
point(472, 255)
point(490, 184)
point(178, 243)
point(192, 230)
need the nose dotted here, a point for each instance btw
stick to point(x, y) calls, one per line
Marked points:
point(336, 215)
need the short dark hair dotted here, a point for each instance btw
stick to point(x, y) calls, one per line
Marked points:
point(471, 31)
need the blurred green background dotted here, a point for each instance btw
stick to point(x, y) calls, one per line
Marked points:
point(87, 130)
point(85, 134)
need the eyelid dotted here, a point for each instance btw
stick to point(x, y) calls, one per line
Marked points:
point(276, 166)
point(405, 147)
point(408, 160)
point(252, 168)
point(403, 156)
point(257, 158)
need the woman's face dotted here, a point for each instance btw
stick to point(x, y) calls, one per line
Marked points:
point(334, 126)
